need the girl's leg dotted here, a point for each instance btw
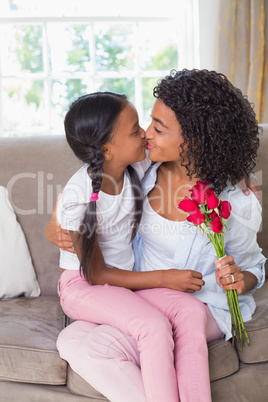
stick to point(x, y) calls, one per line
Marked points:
point(105, 357)
point(189, 320)
point(125, 310)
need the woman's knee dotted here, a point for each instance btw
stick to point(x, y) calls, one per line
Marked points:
point(70, 337)
point(107, 342)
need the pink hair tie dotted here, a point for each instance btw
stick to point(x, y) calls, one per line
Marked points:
point(94, 197)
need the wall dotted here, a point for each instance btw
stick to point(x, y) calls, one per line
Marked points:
point(207, 32)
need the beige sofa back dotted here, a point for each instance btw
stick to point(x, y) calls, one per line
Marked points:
point(35, 170)
point(262, 176)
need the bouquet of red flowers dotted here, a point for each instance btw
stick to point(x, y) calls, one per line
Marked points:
point(209, 213)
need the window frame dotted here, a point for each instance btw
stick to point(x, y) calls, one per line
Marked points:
point(189, 38)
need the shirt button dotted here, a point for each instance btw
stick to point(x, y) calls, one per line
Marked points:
point(182, 237)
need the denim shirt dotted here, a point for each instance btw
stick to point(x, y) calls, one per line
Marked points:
point(194, 251)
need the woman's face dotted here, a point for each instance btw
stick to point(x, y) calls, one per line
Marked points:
point(164, 135)
point(128, 144)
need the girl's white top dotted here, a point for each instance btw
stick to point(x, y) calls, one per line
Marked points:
point(114, 217)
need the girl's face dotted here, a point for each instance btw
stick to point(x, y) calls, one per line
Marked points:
point(128, 144)
point(164, 135)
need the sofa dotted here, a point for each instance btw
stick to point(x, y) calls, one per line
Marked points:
point(35, 169)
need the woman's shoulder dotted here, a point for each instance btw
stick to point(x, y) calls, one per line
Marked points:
point(142, 167)
point(150, 177)
point(246, 209)
point(237, 198)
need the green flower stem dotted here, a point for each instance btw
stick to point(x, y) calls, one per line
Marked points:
point(238, 326)
point(240, 318)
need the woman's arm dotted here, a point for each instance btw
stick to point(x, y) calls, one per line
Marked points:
point(244, 260)
point(56, 235)
point(186, 281)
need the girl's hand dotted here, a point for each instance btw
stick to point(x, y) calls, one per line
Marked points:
point(229, 275)
point(56, 235)
point(183, 280)
point(252, 184)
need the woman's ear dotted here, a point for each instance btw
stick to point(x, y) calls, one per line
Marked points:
point(106, 150)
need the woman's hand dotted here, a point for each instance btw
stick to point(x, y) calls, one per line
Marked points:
point(230, 276)
point(56, 235)
point(187, 281)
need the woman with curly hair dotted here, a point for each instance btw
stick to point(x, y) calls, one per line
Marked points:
point(202, 129)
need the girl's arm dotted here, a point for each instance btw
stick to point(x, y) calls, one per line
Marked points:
point(186, 281)
point(251, 183)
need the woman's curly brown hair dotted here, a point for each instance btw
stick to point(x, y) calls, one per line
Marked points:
point(219, 126)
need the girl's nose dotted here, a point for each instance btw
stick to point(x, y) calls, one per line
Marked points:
point(148, 132)
point(142, 133)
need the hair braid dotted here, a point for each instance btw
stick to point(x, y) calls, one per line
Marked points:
point(89, 223)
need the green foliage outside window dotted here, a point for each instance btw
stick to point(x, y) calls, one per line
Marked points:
point(29, 49)
point(114, 53)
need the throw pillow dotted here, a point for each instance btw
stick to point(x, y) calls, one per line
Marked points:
point(17, 274)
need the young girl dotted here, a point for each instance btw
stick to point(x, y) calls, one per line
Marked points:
point(101, 207)
point(197, 110)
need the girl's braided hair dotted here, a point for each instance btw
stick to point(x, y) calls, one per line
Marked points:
point(89, 124)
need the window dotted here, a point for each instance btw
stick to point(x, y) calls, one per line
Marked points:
point(48, 59)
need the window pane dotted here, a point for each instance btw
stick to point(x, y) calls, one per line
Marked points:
point(148, 99)
point(158, 46)
point(114, 47)
point(64, 92)
point(23, 105)
point(119, 85)
point(22, 49)
point(69, 47)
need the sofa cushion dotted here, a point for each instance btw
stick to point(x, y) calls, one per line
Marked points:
point(257, 329)
point(249, 384)
point(16, 270)
point(23, 392)
point(78, 385)
point(223, 359)
point(28, 332)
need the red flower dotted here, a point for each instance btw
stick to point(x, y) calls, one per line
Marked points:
point(188, 205)
point(196, 217)
point(212, 215)
point(216, 225)
point(225, 209)
point(199, 192)
point(212, 200)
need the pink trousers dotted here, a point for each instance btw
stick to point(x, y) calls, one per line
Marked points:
point(135, 352)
